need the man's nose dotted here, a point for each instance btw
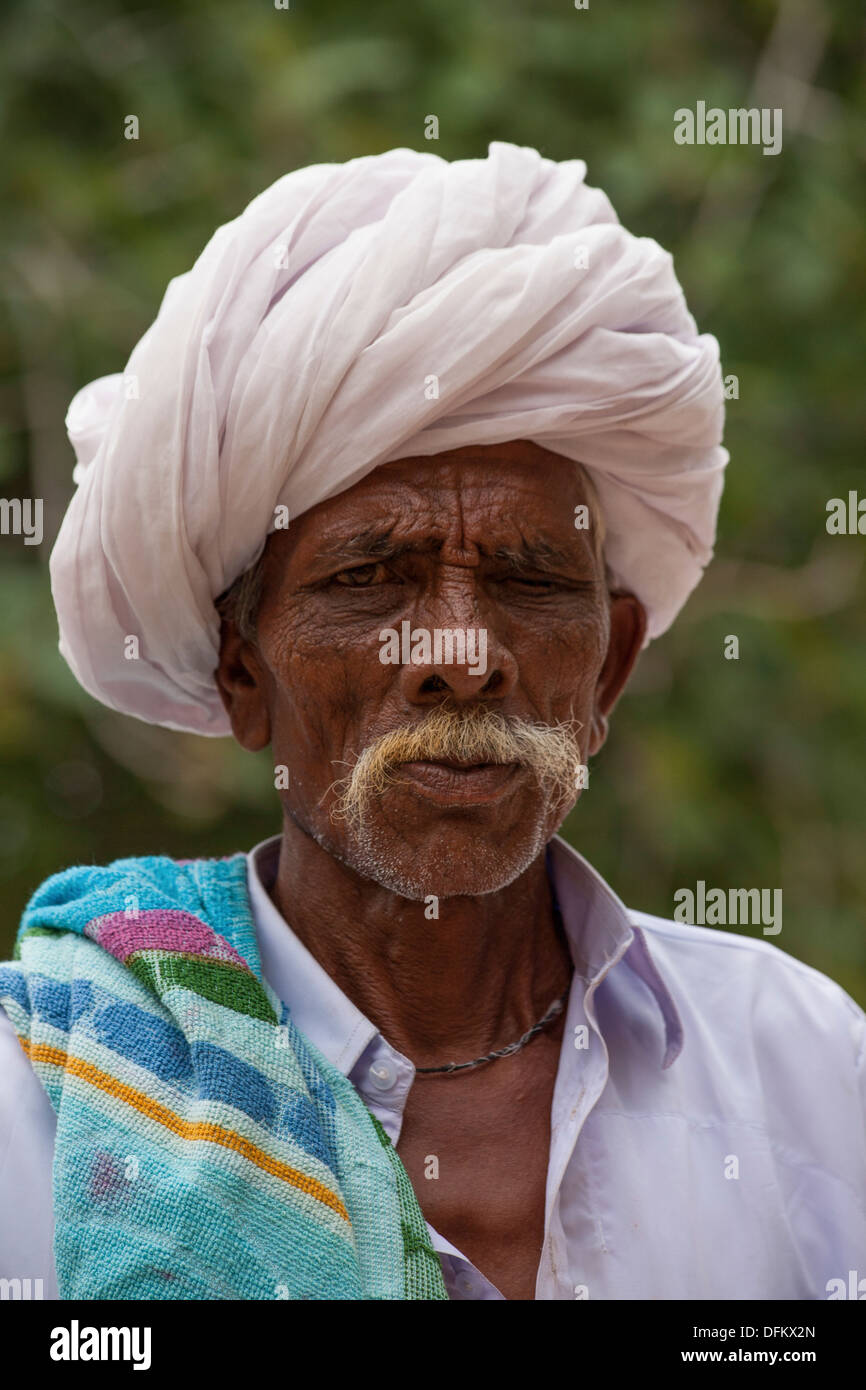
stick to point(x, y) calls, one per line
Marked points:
point(459, 654)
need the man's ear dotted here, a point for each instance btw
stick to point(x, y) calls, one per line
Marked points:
point(241, 679)
point(628, 623)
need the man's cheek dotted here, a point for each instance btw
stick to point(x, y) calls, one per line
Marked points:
point(310, 679)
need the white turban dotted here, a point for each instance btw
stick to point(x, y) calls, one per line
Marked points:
point(297, 355)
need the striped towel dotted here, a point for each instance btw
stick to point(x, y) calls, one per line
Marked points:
point(205, 1149)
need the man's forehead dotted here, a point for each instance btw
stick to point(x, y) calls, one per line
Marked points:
point(519, 465)
point(490, 489)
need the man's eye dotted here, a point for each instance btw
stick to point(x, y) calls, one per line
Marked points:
point(531, 583)
point(362, 577)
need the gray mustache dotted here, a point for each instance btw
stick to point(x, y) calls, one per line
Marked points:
point(479, 734)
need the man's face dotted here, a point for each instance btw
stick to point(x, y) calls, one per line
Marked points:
point(479, 541)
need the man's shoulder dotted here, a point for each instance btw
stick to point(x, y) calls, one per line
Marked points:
point(160, 871)
point(749, 977)
point(71, 898)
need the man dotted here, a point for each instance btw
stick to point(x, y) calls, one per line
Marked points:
point(413, 1046)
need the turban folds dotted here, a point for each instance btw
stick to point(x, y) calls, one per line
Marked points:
point(292, 359)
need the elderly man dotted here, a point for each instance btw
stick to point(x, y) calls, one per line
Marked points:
point(407, 471)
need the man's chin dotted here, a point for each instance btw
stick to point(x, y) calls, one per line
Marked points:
point(446, 866)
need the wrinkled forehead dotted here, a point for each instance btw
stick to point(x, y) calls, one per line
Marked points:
point(478, 494)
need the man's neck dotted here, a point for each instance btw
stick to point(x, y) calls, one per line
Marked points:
point(441, 989)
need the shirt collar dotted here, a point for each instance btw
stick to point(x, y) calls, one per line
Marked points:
point(601, 933)
point(318, 1006)
point(597, 925)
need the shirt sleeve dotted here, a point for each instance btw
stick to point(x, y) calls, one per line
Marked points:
point(27, 1129)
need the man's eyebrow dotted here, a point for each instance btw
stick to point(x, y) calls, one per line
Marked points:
point(537, 554)
point(371, 543)
point(375, 543)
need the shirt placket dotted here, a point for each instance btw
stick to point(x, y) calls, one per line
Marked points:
point(384, 1078)
point(579, 1086)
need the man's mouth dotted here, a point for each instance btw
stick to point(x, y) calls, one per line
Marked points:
point(451, 781)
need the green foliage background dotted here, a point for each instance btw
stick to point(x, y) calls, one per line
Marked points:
point(742, 773)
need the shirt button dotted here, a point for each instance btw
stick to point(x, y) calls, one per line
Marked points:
point(382, 1076)
point(466, 1284)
